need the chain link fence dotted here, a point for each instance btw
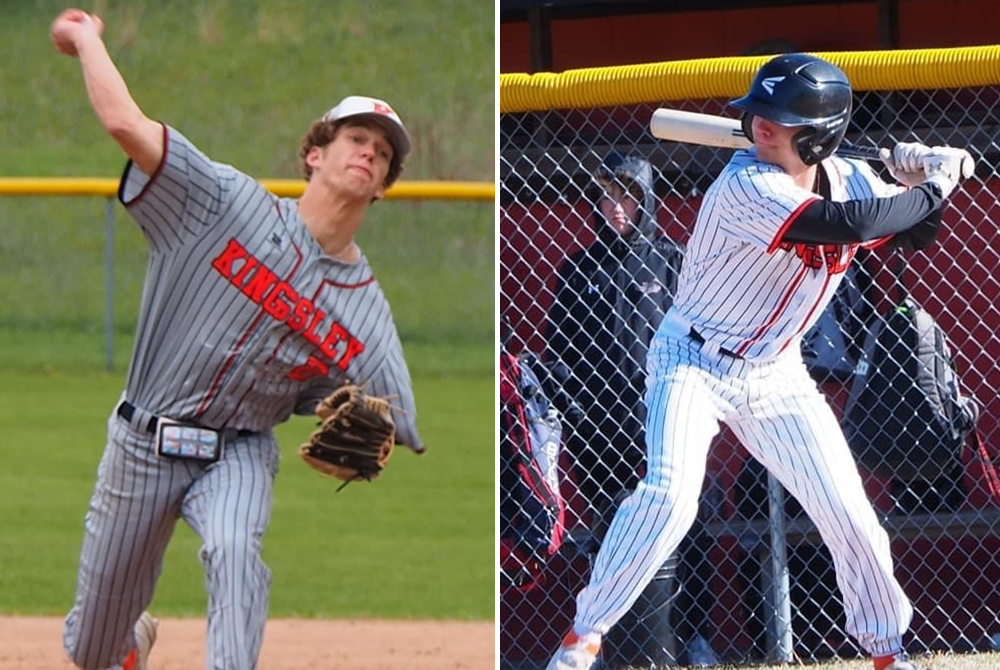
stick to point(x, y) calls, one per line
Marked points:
point(752, 582)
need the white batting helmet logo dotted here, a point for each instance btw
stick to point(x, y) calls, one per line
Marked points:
point(770, 82)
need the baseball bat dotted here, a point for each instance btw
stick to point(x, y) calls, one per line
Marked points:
point(720, 131)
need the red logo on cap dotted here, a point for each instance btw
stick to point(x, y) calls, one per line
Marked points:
point(383, 109)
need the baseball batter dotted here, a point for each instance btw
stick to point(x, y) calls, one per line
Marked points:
point(254, 307)
point(772, 240)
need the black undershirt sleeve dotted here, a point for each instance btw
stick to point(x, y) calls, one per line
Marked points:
point(913, 216)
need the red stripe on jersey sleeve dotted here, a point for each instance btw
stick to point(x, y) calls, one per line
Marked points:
point(787, 224)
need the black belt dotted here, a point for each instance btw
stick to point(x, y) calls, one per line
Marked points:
point(126, 410)
point(696, 336)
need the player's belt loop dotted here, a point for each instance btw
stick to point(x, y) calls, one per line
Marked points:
point(696, 336)
point(127, 410)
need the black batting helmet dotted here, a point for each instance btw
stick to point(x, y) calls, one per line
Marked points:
point(801, 90)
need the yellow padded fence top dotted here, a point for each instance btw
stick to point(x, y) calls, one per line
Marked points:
point(730, 77)
point(288, 188)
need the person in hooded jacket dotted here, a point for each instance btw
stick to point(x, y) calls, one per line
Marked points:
point(610, 298)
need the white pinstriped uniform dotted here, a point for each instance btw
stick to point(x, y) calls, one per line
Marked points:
point(745, 294)
point(244, 320)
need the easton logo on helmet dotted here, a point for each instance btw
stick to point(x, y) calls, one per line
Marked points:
point(770, 82)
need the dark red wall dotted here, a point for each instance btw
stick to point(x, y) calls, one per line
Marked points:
point(646, 38)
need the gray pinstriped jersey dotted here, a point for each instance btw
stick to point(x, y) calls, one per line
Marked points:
point(244, 319)
point(742, 288)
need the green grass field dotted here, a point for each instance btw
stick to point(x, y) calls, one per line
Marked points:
point(243, 79)
point(418, 543)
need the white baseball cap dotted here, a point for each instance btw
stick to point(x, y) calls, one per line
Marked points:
point(378, 111)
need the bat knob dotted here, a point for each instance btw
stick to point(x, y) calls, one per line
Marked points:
point(968, 165)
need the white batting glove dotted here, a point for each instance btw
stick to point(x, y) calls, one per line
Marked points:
point(943, 166)
point(954, 160)
point(906, 162)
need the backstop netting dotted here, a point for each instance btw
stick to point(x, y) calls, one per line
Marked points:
point(755, 582)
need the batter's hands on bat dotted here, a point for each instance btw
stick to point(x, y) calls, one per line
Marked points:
point(70, 26)
point(906, 162)
point(943, 166)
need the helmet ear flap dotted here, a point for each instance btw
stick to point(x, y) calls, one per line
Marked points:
point(746, 123)
point(810, 143)
point(813, 145)
point(807, 149)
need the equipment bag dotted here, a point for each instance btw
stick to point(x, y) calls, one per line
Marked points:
point(532, 507)
point(831, 348)
point(905, 416)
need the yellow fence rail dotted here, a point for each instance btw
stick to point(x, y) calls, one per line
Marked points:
point(728, 77)
point(108, 188)
point(96, 186)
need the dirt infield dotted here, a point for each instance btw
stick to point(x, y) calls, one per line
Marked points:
point(30, 643)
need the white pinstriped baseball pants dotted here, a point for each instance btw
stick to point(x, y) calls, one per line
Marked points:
point(782, 419)
point(136, 503)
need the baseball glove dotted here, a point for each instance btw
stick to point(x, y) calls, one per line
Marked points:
point(355, 438)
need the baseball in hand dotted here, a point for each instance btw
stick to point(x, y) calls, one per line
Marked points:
point(70, 25)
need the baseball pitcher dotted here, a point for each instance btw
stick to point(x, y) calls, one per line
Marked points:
point(771, 242)
point(254, 307)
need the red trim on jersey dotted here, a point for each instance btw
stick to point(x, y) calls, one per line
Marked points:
point(281, 341)
point(360, 284)
point(349, 286)
point(877, 242)
point(152, 177)
point(809, 315)
point(217, 382)
point(796, 282)
point(787, 224)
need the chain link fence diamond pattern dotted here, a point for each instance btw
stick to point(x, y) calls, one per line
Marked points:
point(718, 596)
